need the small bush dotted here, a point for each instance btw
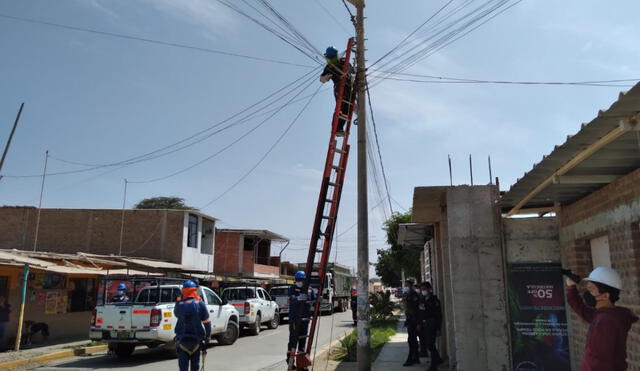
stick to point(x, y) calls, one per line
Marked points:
point(381, 331)
point(381, 305)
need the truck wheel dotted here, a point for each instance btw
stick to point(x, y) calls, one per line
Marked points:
point(255, 329)
point(275, 321)
point(124, 350)
point(229, 337)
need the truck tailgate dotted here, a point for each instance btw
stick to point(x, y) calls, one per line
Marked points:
point(239, 305)
point(283, 301)
point(114, 317)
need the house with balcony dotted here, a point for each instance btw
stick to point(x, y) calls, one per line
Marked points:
point(248, 253)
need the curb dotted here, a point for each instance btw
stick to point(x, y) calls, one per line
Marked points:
point(54, 355)
point(326, 348)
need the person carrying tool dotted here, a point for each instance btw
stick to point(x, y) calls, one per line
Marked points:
point(121, 295)
point(193, 329)
point(430, 320)
point(300, 301)
point(606, 345)
point(333, 71)
point(411, 300)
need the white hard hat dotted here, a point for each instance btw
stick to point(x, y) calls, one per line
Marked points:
point(607, 276)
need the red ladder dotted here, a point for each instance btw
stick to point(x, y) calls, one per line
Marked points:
point(329, 199)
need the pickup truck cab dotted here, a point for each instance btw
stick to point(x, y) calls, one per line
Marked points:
point(281, 296)
point(255, 306)
point(149, 320)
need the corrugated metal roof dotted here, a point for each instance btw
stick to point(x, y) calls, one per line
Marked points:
point(262, 233)
point(12, 259)
point(617, 158)
point(157, 264)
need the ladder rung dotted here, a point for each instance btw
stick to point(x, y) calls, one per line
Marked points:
point(329, 200)
point(336, 167)
point(332, 184)
point(344, 117)
point(327, 217)
point(347, 102)
point(338, 150)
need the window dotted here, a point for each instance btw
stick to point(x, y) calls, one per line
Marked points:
point(260, 294)
point(238, 294)
point(82, 294)
point(279, 291)
point(212, 299)
point(266, 295)
point(192, 231)
point(600, 255)
point(150, 295)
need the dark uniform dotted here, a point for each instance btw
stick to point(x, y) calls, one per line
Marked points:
point(193, 328)
point(335, 70)
point(354, 308)
point(412, 313)
point(299, 316)
point(430, 317)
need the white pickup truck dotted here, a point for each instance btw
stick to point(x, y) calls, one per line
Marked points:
point(149, 320)
point(255, 307)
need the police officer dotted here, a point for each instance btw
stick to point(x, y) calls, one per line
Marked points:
point(411, 300)
point(193, 329)
point(299, 314)
point(121, 296)
point(430, 317)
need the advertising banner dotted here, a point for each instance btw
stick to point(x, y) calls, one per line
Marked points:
point(539, 334)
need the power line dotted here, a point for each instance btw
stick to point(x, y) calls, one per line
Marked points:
point(335, 20)
point(151, 41)
point(375, 131)
point(265, 155)
point(309, 81)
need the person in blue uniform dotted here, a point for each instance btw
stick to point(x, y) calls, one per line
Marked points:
point(300, 301)
point(333, 71)
point(121, 295)
point(193, 329)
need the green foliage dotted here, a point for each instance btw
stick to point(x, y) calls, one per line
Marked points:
point(397, 258)
point(381, 332)
point(175, 203)
point(381, 305)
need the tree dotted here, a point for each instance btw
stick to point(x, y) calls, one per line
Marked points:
point(392, 261)
point(163, 203)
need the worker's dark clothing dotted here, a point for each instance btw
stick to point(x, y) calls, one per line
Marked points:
point(412, 302)
point(120, 298)
point(354, 308)
point(430, 319)
point(193, 328)
point(299, 316)
point(606, 346)
point(335, 70)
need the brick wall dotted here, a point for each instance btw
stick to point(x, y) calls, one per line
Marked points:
point(613, 211)
point(227, 258)
point(153, 234)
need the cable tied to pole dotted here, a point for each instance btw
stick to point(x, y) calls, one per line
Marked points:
point(353, 17)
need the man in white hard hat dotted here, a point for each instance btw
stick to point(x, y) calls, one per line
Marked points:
point(606, 345)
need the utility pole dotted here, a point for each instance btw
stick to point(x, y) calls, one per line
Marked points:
point(44, 175)
point(124, 203)
point(364, 332)
point(13, 130)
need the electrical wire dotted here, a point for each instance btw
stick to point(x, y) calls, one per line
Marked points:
point(151, 41)
point(273, 146)
point(243, 136)
point(335, 20)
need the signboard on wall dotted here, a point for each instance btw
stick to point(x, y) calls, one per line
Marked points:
point(539, 333)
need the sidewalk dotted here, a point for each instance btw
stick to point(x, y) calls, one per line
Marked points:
point(13, 359)
point(394, 353)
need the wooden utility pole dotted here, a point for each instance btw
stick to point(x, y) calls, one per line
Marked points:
point(13, 130)
point(364, 332)
point(44, 176)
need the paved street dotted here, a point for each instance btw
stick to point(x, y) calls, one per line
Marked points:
point(263, 352)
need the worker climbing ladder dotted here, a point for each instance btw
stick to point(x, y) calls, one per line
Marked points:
point(329, 200)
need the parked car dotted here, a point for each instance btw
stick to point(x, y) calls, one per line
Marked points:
point(149, 320)
point(281, 295)
point(255, 306)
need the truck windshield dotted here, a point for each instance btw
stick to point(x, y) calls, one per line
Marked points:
point(238, 294)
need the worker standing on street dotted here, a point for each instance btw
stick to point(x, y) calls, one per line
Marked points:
point(411, 301)
point(121, 295)
point(300, 300)
point(354, 306)
point(333, 71)
point(430, 321)
point(606, 345)
point(193, 329)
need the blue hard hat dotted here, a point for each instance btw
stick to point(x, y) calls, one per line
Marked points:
point(300, 275)
point(122, 286)
point(331, 52)
point(188, 284)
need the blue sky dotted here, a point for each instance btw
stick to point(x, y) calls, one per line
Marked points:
point(97, 99)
